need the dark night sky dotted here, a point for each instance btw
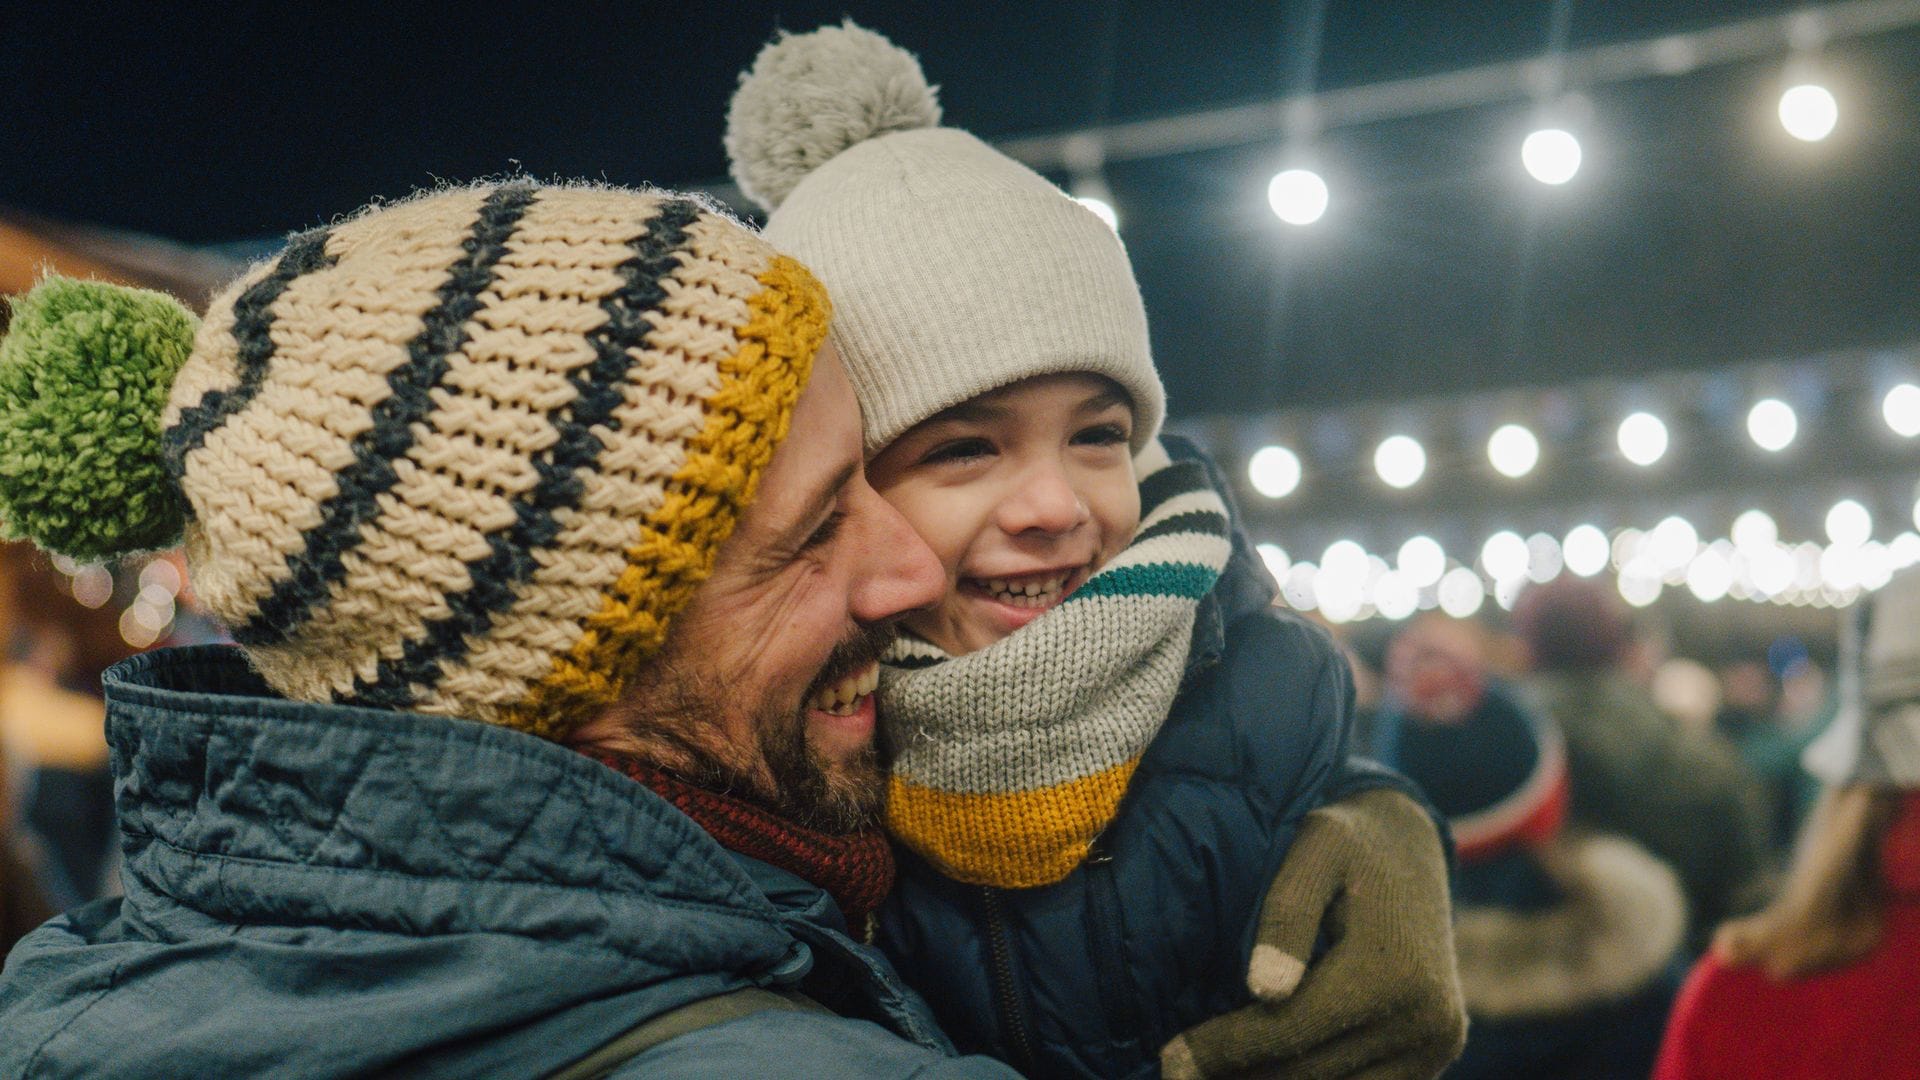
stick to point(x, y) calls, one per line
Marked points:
point(1694, 237)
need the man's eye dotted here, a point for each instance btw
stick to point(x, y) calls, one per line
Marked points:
point(959, 450)
point(826, 532)
point(1102, 435)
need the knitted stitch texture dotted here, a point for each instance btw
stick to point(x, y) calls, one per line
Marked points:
point(955, 269)
point(856, 868)
point(83, 376)
point(1011, 759)
point(469, 454)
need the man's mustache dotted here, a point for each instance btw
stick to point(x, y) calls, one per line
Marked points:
point(853, 654)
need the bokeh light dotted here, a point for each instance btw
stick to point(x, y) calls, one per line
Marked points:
point(1551, 155)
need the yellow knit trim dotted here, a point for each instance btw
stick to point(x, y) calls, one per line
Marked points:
point(1012, 840)
point(746, 420)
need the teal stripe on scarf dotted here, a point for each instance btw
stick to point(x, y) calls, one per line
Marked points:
point(1152, 579)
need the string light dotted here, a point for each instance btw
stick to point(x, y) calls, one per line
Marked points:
point(1901, 408)
point(1772, 425)
point(1513, 450)
point(1809, 112)
point(1643, 438)
point(1400, 460)
point(1755, 529)
point(1422, 561)
point(1849, 524)
point(1298, 196)
point(1551, 156)
point(1274, 471)
point(1586, 550)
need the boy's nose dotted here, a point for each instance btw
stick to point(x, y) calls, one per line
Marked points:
point(1045, 501)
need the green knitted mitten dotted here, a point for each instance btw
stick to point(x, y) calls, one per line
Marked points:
point(1385, 1000)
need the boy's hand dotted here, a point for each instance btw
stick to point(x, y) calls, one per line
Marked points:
point(1385, 1000)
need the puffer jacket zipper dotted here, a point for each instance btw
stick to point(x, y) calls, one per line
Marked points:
point(1008, 1001)
point(1109, 954)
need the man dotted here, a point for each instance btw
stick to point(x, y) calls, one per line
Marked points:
point(559, 460)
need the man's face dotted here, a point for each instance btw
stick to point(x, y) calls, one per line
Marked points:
point(1023, 492)
point(766, 682)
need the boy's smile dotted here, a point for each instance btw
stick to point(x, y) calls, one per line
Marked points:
point(1023, 493)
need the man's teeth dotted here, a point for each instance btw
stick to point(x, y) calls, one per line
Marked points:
point(1033, 592)
point(840, 698)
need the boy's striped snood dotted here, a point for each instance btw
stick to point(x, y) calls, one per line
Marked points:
point(1010, 760)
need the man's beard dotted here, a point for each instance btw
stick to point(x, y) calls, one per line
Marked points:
point(676, 706)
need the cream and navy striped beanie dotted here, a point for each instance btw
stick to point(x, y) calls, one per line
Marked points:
point(467, 454)
point(954, 269)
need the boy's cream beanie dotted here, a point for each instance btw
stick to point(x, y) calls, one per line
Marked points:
point(953, 269)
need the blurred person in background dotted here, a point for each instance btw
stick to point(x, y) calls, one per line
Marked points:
point(22, 906)
point(53, 719)
point(1636, 771)
point(1568, 940)
point(1771, 729)
point(1825, 982)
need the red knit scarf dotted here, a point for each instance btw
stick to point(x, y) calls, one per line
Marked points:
point(855, 869)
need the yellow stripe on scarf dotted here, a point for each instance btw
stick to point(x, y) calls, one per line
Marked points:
point(1012, 840)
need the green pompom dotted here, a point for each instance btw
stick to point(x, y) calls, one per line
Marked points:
point(84, 373)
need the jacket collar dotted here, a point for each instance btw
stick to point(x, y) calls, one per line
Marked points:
point(248, 808)
point(1244, 586)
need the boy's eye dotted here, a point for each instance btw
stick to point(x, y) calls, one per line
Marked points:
point(1102, 435)
point(825, 532)
point(958, 450)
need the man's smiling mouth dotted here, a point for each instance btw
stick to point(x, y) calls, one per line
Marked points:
point(842, 697)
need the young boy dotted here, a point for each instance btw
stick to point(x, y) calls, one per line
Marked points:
point(1104, 739)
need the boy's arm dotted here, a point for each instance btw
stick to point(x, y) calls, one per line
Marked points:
point(1385, 999)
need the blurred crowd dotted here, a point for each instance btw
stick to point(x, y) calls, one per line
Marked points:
point(1624, 816)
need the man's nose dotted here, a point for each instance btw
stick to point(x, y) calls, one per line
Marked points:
point(900, 572)
point(1045, 501)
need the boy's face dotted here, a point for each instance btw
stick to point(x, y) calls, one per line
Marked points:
point(1022, 492)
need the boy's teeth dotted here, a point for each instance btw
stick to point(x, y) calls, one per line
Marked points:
point(1016, 591)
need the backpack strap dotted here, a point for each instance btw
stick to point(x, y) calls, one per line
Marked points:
point(691, 1017)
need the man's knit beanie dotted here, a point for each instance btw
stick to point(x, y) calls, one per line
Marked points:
point(955, 270)
point(467, 454)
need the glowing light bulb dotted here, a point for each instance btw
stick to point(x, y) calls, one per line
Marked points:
point(1513, 450)
point(1275, 471)
point(1849, 524)
point(1809, 112)
point(1422, 561)
point(1505, 556)
point(1298, 196)
point(1400, 460)
point(1755, 529)
point(1394, 597)
point(1461, 592)
point(1772, 425)
point(1586, 550)
point(1551, 155)
point(1673, 543)
point(1643, 438)
point(1710, 575)
point(1901, 407)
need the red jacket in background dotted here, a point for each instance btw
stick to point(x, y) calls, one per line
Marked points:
point(1860, 1022)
